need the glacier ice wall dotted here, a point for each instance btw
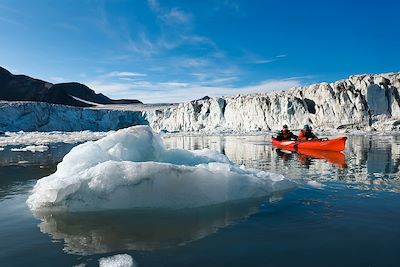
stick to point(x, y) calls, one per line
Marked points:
point(40, 116)
point(361, 101)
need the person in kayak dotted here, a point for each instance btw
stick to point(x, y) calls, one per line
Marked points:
point(286, 134)
point(306, 134)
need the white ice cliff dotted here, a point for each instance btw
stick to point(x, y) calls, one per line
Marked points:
point(361, 101)
point(131, 168)
point(40, 116)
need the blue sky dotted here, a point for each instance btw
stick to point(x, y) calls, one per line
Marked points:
point(168, 51)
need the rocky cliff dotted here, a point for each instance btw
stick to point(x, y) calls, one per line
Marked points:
point(365, 102)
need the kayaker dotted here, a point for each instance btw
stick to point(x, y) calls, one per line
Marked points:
point(306, 134)
point(286, 134)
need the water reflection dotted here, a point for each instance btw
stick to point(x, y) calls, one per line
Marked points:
point(306, 156)
point(16, 168)
point(102, 232)
point(368, 162)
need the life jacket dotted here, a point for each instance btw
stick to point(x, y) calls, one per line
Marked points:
point(286, 134)
point(304, 135)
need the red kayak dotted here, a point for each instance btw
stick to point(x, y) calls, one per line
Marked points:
point(336, 144)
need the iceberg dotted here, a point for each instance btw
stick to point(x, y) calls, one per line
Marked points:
point(120, 260)
point(131, 168)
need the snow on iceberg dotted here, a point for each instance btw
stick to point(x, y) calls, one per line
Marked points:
point(131, 168)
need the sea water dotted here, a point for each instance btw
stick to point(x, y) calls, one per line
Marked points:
point(345, 210)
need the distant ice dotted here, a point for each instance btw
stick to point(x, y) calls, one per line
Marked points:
point(131, 168)
point(44, 138)
point(34, 149)
point(120, 260)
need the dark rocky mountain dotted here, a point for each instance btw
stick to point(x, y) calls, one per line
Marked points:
point(24, 88)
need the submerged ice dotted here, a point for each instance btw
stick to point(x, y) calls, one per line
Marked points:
point(131, 168)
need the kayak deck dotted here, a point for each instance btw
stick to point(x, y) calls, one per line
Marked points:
point(336, 144)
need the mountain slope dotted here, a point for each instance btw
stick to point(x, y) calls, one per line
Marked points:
point(24, 88)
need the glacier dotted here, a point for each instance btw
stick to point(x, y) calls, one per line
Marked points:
point(43, 117)
point(368, 102)
point(131, 168)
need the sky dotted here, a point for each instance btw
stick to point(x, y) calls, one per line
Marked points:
point(172, 51)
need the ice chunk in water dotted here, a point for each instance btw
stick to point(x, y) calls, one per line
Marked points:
point(315, 184)
point(120, 260)
point(40, 148)
point(131, 168)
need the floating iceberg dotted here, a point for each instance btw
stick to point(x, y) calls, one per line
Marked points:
point(120, 260)
point(131, 168)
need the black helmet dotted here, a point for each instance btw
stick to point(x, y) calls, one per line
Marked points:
point(285, 126)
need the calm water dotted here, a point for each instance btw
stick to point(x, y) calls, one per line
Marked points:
point(354, 220)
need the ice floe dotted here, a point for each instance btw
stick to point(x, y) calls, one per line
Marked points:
point(120, 260)
point(39, 148)
point(45, 138)
point(315, 184)
point(131, 168)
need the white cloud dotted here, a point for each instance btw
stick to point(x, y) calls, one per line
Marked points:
point(170, 16)
point(176, 16)
point(125, 74)
point(263, 61)
point(154, 5)
point(57, 80)
point(141, 45)
point(220, 80)
point(173, 91)
point(174, 84)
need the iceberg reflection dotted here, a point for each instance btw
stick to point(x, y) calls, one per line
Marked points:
point(89, 233)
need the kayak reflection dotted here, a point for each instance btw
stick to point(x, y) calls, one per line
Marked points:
point(88, 233)
point(305, 156)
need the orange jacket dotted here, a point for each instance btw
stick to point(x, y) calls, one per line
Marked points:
point(305, 135)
